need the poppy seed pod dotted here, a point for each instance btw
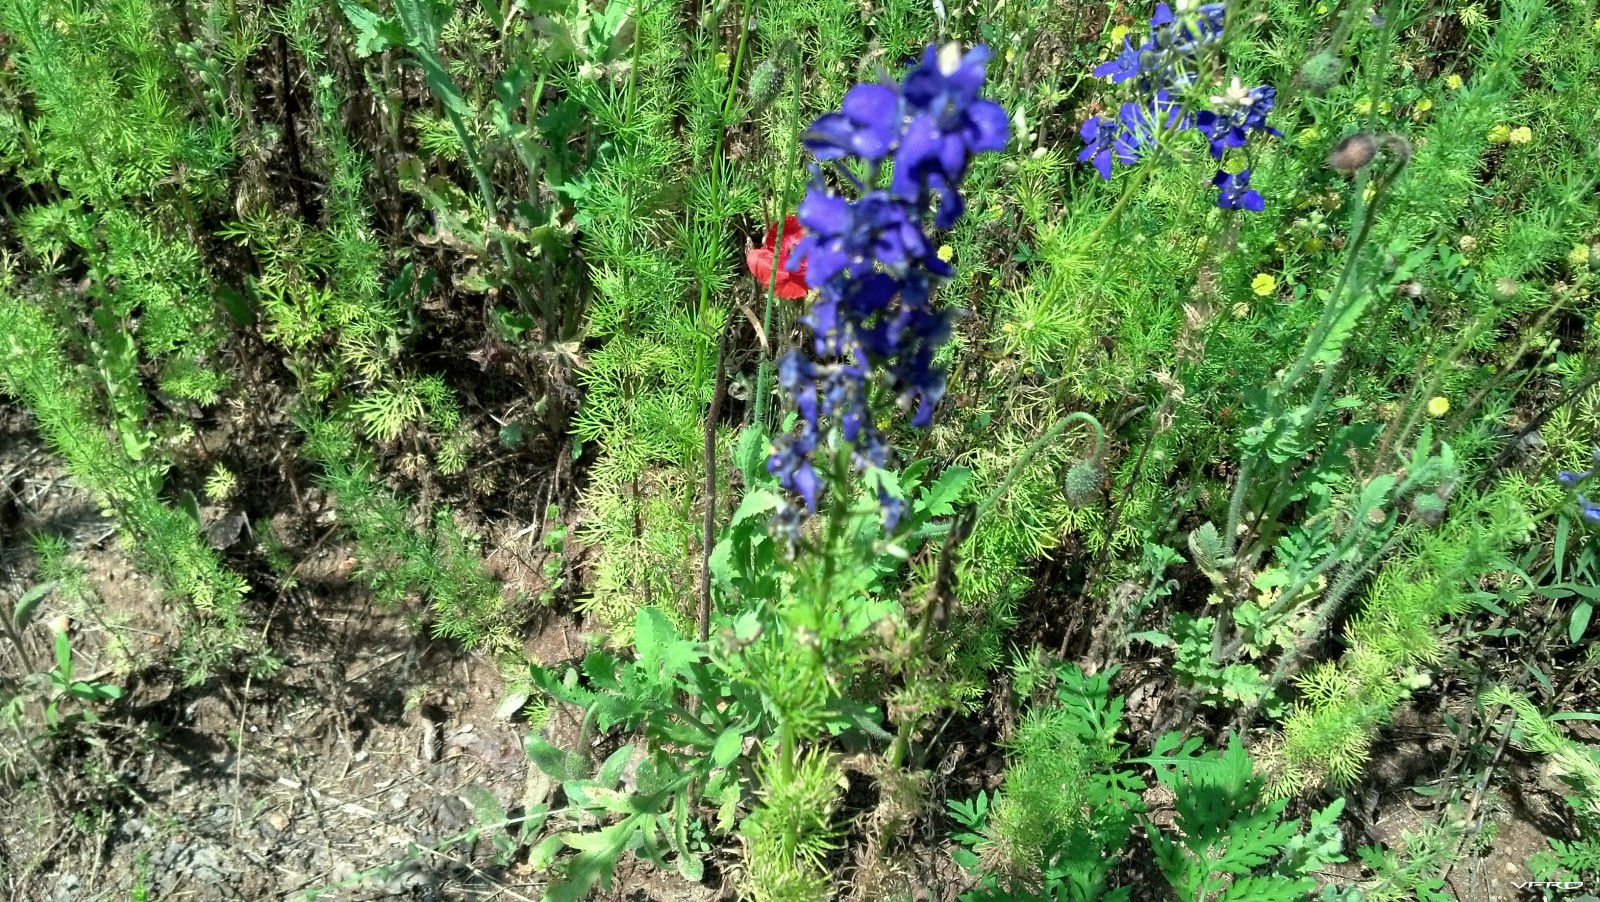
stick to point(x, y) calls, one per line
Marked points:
point(1353, 153)
point(1082, 483)
point(1322, 72)
point(1429, 508)
point(765, 83)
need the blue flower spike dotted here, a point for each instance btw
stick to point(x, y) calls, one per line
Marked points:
point(875, 267)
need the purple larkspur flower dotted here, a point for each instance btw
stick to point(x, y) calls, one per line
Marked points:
point(1234, 192)
point(1104, 142)
point(1573, 479)
point(791, 463)
point(872, 263)
point(867, 125)
point(949, 125)
point(1170, 55)
point(1588, 509)
point(852, 237)
point(1126, 138)
point(1237, 113)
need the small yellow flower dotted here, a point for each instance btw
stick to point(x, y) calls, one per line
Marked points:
point(946, 252)
point(1322, 9)
point(1308, 136)
point(1118, 33)
point(1424, 105)
point(1263, 284)
point(1453, 82)
point(1241, 309)
point(1500, 134)
point(1521, 135)
point(1438, 406)
point(1363, 106)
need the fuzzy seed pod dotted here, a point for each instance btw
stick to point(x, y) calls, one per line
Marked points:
point(1321, 73)
point(1429, 508)
point(1353, 153)
point(1082, 483)
point(765, 83)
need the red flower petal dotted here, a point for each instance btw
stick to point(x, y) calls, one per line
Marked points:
point(759, 259)
point(790, 285)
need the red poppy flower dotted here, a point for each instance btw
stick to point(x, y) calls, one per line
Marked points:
point(791, 285)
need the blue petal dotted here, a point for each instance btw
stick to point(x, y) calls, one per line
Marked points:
point(992, 128)
point(872, 105)
point(825, 215)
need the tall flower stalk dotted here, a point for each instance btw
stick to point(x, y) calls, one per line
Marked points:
point(874, 267)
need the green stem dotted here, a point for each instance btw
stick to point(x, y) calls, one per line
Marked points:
point(1022, 462)
point(764, 371)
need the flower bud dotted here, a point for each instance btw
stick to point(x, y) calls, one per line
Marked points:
point(1321, 73)
point(1353, 153)
point(1429, 508)
point(1082, 483)
point(765, 83)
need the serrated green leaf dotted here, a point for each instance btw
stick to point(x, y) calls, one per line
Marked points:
point(64, 655)
point(557, 763)
point(374, 33)
point(939, 500)
point(613, 800)
point(757, 501)
point(609, 841)
point(544, 854)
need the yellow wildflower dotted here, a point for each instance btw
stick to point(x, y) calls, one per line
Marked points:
point(1521, 135)
point(1500, 134)
point(1263, 284)
point(1424, 105)
point(1438, 406)
point(946, 252)
point(1453, 82)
